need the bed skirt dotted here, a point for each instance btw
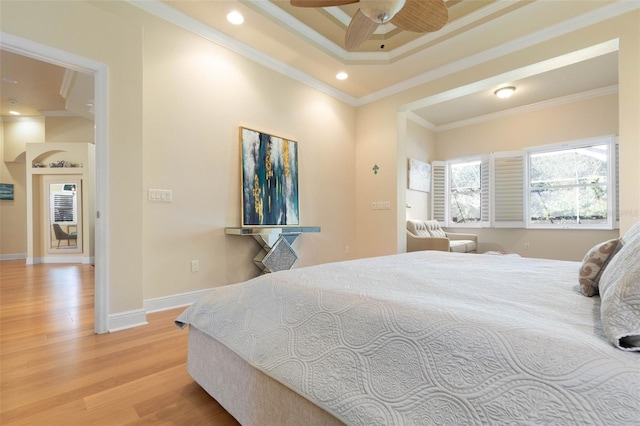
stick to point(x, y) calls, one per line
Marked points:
point(249, 395)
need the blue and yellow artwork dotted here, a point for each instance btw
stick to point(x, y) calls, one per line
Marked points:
point(269, 180)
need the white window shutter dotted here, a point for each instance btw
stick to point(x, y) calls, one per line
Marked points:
point(485, 202)
point(508, 195)
point(439, 202)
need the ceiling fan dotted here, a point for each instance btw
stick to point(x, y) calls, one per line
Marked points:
point(421, 16)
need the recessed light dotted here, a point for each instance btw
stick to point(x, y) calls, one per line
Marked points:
point(14, 113)
point(235, 18)
point(505, 92)
point(342, 75)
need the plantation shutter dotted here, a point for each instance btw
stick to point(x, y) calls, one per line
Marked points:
point(508, 190)
point(616, 173)
point(62, 207)
point(439, 192)
point(485, 192)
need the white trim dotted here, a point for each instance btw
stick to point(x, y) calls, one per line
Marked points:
point(127, 319)
point(62, 259)
point(24, 47)
point(173, 301)
point(13, 256)
point(412, 116)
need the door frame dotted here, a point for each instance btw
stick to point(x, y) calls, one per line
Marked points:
point(41, 52)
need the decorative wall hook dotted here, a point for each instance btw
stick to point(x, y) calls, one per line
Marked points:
point(375, 169)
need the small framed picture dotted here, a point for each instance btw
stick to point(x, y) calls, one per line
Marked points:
point(419, 176)
point(6, 191)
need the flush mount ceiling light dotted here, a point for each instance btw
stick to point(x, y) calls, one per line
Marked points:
point(235, 18)
point(505, 92)
point(342, 75)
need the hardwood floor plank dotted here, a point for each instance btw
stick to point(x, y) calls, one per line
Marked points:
point(55, 371)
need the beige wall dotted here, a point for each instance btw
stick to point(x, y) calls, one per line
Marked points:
point(13, 231)
point(16, 133)
point(369, 117)
point(197, 94)
point(420, 146)
point(69, 129)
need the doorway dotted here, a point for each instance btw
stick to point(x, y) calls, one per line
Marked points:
point(63, 216)
point(28, 48)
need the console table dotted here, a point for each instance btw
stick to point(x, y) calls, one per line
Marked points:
point(276, 251)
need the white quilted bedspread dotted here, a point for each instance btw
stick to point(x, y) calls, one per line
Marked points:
point(431, 338)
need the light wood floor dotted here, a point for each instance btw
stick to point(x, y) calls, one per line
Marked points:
point(55, 371)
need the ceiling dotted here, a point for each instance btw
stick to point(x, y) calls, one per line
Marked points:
point(35, 88)
point(308, 45)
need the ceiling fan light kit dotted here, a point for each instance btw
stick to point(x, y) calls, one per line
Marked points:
point(381, 11)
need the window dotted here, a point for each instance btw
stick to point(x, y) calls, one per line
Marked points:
point(461, 192)
point(466, 192)
point(571, 186)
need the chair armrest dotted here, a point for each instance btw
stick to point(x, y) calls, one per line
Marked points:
point(459, 236)
point(416, 243)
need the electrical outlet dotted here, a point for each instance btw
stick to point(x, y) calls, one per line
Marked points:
point(527, 246)
point(195, 265)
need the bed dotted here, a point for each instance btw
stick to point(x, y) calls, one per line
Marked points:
point(425, 338)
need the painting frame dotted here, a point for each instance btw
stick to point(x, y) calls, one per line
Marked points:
point(268, 180)
point(6, 192)
point(419, 175)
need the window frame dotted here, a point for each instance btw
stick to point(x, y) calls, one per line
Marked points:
point(611, 142)
point(444, 217)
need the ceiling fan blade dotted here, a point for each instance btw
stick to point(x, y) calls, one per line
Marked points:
point(360, 29)
point(321, 3)
point(422, 16)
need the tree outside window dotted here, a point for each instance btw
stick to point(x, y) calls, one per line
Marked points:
point(569, 186)
point(466, 192)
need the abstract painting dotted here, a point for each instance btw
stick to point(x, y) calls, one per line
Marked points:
point(269, 180)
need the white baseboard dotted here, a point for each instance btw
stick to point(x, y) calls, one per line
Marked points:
point(138, 317)
point(128, 319)
point(60, 259)
point(174, 301)
point(13, 256)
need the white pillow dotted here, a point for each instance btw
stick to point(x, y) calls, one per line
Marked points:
point(620, 297)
